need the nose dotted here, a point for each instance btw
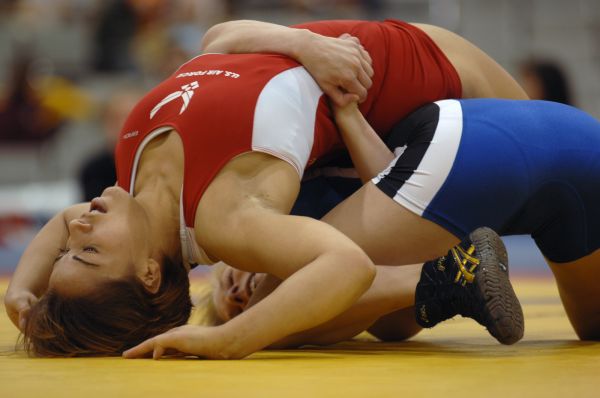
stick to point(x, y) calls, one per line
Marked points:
point(79, 225)
point(238, 295)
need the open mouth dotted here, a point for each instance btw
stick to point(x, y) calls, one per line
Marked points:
point(97, 205)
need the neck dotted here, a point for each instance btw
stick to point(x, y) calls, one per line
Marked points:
point(158, 190)
point(162, 210)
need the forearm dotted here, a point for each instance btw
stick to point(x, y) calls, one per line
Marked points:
point(369, 153)
point(36, 263)
point(340, 66)
point(392, 290)
point(315, 294)
point(247, 36)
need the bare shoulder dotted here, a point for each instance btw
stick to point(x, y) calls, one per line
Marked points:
point(249, 184)
point(449, 42)
point(253, 179)
point(479, 74)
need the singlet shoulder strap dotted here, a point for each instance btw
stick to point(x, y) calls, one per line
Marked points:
point(192, 254)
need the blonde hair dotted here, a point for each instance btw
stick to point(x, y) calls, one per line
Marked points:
point(204, 312)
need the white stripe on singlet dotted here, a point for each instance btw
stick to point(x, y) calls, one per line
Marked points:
point(421, 187)
point(285, 115)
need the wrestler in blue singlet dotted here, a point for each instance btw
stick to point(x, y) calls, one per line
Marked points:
point(519, 167)
point(525, 167)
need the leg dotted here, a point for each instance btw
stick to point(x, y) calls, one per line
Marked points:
point(397, 326)
point(389, 233)
point(385, 220)
point(578, 287)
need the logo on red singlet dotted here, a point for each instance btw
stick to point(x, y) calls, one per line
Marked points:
point(186, 94)
point(131, 134)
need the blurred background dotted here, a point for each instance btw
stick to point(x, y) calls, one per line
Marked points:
point(70, 71)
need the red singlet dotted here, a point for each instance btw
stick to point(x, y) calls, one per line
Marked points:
point(223, 105)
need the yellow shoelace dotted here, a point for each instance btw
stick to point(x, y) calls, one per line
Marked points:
point(463, 258)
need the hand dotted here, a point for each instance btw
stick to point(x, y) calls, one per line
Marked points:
point(341, 66)
point(18, 305)
point(345, 115)
point(202, 341)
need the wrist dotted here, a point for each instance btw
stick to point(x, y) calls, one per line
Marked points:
point(348, 118)
point(301, 43)
point(16, 301)
point(233, 346)
point(241, 336)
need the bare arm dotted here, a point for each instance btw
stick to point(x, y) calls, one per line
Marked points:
point(392, 290)
point(369, 153)
point(323, 271)
point(341, 66)
point(30, 279)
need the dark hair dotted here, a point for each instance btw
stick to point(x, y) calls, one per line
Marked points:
point(552, 78)
point(114, 317)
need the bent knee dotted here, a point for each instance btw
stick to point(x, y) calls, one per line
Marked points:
point(357, 261)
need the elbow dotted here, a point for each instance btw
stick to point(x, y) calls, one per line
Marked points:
point(207, 43)
point(213, 39)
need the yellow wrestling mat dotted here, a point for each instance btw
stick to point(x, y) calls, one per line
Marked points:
point(456, 359)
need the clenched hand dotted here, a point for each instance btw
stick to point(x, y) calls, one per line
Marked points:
point(341, 66)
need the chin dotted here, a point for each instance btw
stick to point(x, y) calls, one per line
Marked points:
point(113, 191)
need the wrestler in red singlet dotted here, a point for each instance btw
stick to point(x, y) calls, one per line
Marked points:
point(225, 105)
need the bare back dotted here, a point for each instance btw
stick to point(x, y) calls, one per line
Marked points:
point(480, 75)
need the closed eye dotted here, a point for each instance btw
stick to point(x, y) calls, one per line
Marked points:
point(77, 258)
point(61, 253)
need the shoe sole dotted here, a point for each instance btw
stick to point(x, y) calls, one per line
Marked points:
point(504, 315)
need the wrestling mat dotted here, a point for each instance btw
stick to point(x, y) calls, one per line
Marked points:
point(456, 359)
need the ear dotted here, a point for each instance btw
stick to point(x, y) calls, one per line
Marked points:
point(151, 275)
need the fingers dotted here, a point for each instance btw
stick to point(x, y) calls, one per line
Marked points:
point(23, 307)
point(365, 58)
point(335, 94)
point(361, 81)
point(367, 61)
point(339, 97)
point(141, 350)
point(367, 66)
point(168, 343)
point(365, 81)
point(23, 317)
point(355, 86)
point(158, 352)
point(350, 98)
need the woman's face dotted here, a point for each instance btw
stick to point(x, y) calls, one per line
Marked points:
point(107, 242)
point(232, 291)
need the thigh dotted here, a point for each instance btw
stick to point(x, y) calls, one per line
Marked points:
point(388, 232)
point(414, 210)
point(578, 285)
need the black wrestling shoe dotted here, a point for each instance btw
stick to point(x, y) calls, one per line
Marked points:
point(472, 281)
